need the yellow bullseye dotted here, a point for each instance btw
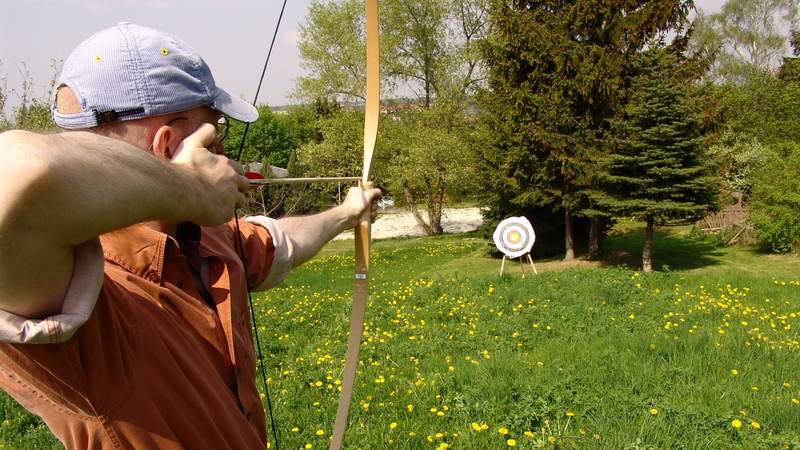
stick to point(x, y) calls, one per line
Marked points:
point(514, 237)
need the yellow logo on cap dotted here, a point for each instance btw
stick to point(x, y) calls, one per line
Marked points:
point(164, 51)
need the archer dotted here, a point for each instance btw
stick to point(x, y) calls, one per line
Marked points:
point(123, 301)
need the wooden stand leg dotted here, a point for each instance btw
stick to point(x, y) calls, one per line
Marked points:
point(502, 265)
point(530, 260)
point(522, 267)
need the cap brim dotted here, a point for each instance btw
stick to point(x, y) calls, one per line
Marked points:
point(234, 108)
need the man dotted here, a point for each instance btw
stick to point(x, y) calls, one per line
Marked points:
point(123, 301)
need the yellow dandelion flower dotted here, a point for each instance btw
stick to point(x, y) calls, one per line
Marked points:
point(755, 425)
point(308, 445)
point(787, 385)
point(484, 427)
point(734, 372)
point(503, 430)
point(320, 433)
point(295, 429)
point(551, 439)
point(439, 435)
point(511, 443)
point(795, 401)
point(736, 423)
point(475, 426)
point(653, 412)
point(410, 407)
point(393, 425)
point(570, 414)
point(440, 413)
point(529, 434)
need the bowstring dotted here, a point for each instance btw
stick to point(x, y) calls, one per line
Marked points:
point(241, 246)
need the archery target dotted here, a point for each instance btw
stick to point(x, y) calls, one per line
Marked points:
point(514, 237)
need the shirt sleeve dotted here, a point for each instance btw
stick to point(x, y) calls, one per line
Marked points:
point(79, 301)
point(282, 261)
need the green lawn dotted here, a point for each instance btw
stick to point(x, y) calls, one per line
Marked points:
point(704, 354)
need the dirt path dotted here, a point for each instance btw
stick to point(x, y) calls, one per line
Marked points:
point(398, 223)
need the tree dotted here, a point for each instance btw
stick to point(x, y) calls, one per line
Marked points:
point(427, 50)
point(748, 35)
point(4, 125)
point(557, 74)
point(427, 150)
point(273, 137)
point(775, 201)
point(658, 172)
point(790, 69)
point(332, 49)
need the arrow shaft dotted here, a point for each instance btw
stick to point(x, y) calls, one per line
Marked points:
point(302, 180)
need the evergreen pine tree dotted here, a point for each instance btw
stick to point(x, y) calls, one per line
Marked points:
point(658, 172)
point(557, 73)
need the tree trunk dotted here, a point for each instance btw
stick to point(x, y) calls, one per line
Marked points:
point(414, 211)
point(435, 208)
point(570, 244)
point(595, 238)
point(647, 253)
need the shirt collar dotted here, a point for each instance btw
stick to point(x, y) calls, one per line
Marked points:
point(140, 249)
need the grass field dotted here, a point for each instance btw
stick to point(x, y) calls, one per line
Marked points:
point(704, 354)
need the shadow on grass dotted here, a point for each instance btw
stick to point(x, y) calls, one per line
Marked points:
point(670, 251)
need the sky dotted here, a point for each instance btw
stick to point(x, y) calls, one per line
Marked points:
point(232, 36)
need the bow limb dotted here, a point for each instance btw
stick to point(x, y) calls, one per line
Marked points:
point(362, 232)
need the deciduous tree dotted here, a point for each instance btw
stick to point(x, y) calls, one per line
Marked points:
point(748, 35)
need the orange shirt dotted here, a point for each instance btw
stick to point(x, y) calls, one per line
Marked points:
point(155, 366)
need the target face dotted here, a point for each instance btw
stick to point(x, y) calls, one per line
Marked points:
point(514, 237)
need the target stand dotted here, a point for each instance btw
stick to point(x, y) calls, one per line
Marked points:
point(522, 264)
point(514, 237)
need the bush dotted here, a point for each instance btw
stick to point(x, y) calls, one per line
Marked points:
point(775, 201)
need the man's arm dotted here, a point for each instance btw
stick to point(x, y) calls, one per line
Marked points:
point(309, 233)
point(57, 191)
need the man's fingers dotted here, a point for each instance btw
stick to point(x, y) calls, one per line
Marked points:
point(237, 167)
point(243, 184)
point(204, 136)
point(241, 201)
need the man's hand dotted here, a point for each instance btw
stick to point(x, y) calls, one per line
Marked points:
point(225, 186)
point(357, 201)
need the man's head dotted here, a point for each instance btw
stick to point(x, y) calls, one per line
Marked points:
point(128, 81)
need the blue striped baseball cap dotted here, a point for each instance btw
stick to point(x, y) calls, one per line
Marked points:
point(128, 72)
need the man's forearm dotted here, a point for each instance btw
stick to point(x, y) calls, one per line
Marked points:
point(68, 188)
point(310, 233)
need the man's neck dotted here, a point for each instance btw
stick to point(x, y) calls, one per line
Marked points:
point(169, 228)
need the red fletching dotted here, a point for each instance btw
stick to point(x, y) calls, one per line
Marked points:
point(254, 175)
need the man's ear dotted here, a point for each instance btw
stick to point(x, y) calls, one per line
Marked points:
point(165, 142)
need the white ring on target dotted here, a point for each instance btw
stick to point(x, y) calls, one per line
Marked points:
point(514, 237)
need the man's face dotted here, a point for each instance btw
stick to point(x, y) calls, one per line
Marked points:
point(186, 123)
